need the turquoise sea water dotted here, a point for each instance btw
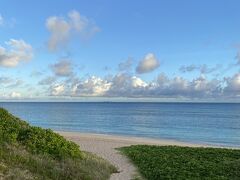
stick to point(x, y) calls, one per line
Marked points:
point(208, 123)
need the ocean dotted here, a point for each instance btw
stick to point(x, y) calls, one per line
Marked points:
point(204, 123)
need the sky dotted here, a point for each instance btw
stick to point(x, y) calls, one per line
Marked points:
point(155, 50)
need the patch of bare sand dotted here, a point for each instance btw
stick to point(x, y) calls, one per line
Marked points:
point(105, 147)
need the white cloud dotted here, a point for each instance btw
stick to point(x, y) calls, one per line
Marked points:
point(93, 86)
point(206, 88)
point(59, 29)
point(121, 85)
point(137, 82)
point(77, 21)
point(179, 87)
point(17, 51)
point(62, 68)
point(57, 89)
point(148, 64)
point(126, 85)
point(233, 85)
point(162, 79)
point(62, 29)
point(15, 95)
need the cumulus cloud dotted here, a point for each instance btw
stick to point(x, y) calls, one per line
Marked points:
point(59, 29)
point(17, 51)
point(62, 68)
point(63, 28)
point(202, 87)
point(162, 79)
point(148, 64)
point(233, 85)
point(57, 89)
point(120, 85)
point(199, 87)
point(126, 85)
point(93, 86)
point(15, 95)
point(138, 82)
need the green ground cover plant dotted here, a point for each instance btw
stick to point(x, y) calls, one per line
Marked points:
point(173, 162)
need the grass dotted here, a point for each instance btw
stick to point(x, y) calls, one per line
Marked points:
point(172, 162)
point(28, 152)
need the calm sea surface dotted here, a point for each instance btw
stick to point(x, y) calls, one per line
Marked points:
point(209, 123)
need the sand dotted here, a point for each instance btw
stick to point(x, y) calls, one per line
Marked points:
point(104, 146)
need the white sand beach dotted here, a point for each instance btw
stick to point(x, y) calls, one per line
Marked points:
point(104, 146)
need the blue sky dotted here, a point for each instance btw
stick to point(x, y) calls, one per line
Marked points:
point(180, 49)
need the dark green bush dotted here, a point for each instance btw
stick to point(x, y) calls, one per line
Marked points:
point(35, 139)
point(10, 126)
point(45, 141)
point(28, 152)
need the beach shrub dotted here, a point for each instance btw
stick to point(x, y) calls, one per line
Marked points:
point(10, 126)
point(28, 152)
point(35, 139)
point(173, 162)
point(16, 163)
point(45, 141)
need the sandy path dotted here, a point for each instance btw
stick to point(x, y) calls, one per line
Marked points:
point(104, 146)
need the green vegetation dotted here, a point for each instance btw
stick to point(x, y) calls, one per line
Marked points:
point(172, 162)
point(28, 152)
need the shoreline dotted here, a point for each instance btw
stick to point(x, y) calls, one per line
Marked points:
point(142, 140)
point(132, 139)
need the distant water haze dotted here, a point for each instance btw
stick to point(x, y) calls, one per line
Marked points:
point(207, 123)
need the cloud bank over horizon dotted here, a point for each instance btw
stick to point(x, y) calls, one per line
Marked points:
point(125, 85)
